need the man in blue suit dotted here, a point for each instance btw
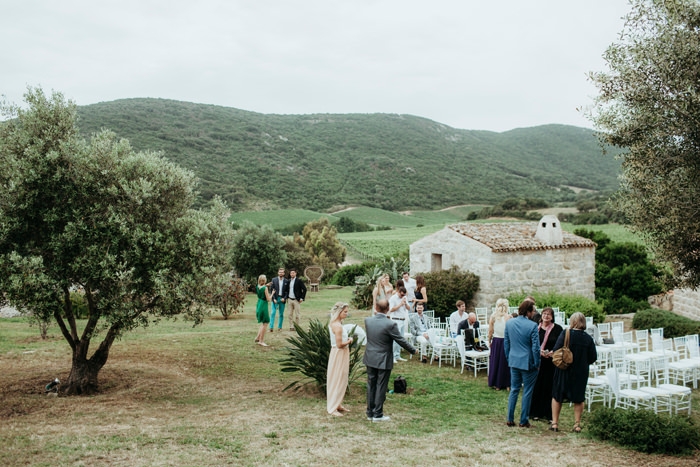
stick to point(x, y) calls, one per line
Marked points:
point(522, 348)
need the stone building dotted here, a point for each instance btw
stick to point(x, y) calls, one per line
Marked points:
point(684, 302)
point(511, 257)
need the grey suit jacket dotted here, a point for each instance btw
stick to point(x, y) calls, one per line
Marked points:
point(381, 334)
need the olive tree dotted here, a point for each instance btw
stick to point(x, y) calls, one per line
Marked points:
point(97, 217)
point(649, 104)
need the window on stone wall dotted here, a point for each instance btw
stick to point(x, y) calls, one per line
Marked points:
point(435, 262)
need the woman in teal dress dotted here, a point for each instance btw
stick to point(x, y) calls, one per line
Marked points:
point(262, 310)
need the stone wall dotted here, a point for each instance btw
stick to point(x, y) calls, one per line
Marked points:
point(563, 270)
point(686, 302)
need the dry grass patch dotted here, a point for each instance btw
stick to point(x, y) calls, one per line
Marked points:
point(210, 396)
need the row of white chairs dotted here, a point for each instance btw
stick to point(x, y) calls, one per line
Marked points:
point(654, 379)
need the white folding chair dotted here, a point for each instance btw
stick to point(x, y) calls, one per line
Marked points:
point(618, 326)
point(597, 390)
point(657, 331)
point(476, 359)
point(642, 338)
point(604, 330)
point(443, 347)
point(482, 316)
point(627, 398)
point(680, 395)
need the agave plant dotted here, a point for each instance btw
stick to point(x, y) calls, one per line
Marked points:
point(308, 353)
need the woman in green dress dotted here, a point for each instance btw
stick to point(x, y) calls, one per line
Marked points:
point(262, 310)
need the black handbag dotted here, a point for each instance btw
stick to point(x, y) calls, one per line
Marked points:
point(400, 385)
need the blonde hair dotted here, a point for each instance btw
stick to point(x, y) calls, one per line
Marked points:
point(262, 278)
point(501, 308)
point(577, 321)
point(337, 310)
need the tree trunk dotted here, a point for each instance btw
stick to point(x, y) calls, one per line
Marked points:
point(83, 374)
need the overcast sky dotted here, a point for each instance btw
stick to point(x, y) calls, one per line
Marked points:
point(470, 64)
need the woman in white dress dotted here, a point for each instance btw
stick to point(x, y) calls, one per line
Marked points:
point(338, 361)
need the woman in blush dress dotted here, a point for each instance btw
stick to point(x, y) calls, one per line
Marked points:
point(338, 361)
point(382, 291)
point(499, 372)
point(262, 309)
point(541, 406)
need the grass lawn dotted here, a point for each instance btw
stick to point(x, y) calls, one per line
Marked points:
point(172, 394)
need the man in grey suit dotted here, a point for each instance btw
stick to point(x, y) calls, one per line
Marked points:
point(379, 358)
point(522, 348)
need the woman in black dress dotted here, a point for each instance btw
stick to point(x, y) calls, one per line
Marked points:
point(420, 293)
point(570, 384)
point(541, 407)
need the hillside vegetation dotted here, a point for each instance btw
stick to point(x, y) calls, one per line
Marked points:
point(395, 162)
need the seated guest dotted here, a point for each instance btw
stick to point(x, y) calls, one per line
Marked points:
point(418, 326)
point(471, 329)
point(457, 317)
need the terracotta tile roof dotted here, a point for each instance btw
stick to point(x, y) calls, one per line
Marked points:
point(514, 236)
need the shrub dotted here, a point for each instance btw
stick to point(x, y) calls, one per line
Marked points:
point(364, 285)
point(624, 276)
point(446, 287)
point(347, 274)
point(308, 354)
point(228, 294)
point(645, 431)
point(569, 304)
point(674, 325)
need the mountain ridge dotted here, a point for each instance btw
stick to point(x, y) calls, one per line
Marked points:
point(390, 161)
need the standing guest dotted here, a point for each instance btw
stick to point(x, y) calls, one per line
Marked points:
point(382, 291)
point(499, 373)
point(281, 286)
point(457, 317)
point(541, 407)
point(295, 293)
point(421, 294)
point(570, 384)
point(338, 361)
point(522, 346)
point(410, 285)
point(418, 326)
point(262, 310)
point(398, 312)
point(381, 335)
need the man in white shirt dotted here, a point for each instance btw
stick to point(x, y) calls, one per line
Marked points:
point(398, 312)
point(457, 317)
point(410, 285)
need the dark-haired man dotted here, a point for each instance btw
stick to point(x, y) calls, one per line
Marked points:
point(522, 348)
point(379, 359)
point(296, 293)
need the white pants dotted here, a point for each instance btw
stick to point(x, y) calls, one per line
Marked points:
point(402, 330)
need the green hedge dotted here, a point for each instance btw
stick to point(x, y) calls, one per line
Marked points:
point(645, 431)
point(674, 325)
point(446, 287)
point(569, 304)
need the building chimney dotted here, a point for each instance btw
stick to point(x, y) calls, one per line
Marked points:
point(549, 231)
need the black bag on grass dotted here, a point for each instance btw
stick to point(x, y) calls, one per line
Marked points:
point(400, 385)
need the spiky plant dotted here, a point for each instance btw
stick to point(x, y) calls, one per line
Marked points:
point(308, 354)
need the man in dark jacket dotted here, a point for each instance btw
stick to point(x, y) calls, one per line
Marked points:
point(379, 358)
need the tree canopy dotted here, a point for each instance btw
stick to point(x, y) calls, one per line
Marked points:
point(649, 103)
point(98, 218)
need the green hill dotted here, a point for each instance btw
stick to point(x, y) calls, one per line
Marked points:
point(388, 161)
